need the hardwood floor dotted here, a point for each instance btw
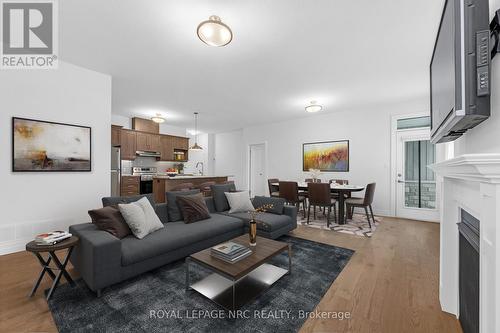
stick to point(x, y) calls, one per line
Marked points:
point(389, 285)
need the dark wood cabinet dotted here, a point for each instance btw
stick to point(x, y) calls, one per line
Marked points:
point(148, 142)
point(159, 190)
point(130, 185)
point(128, 144)
point(145, 125)
point(116, 135)
point(167, 148)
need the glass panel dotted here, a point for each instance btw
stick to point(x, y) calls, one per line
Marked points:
point(416, 122)
point(420, 182)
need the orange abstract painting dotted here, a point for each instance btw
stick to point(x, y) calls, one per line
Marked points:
point(326, 156)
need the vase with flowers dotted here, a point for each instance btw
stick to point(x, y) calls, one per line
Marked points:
point(252, 231)
point(315, 173)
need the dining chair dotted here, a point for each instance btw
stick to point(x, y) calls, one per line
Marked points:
point(365, 203)
point(182, 187)
point(205, 188)
point(273, 189)
point(319, 195)
point(290, 192)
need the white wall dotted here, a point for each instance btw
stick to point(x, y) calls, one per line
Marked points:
point(485, 138)
point(229, 156)
point(36, 202)
point(368, 132)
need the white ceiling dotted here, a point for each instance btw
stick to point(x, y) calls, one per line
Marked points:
point(344, 54)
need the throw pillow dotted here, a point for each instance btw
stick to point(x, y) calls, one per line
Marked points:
point(278, 204)
point(239, 202)
point(193, 207)
point(174, 214)
point(140, 217)
point(111, 220)
point(220, 200)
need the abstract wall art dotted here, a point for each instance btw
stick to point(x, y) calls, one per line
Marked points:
point(326, 156)
point(42, 146)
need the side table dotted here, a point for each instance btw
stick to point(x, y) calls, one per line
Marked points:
point(46, 268)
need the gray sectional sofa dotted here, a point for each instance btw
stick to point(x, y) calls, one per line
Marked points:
point(103, 260)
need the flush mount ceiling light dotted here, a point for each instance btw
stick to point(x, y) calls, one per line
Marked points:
point(158, 118)
point(213, 32)
point(314, 107)
point(196, 146)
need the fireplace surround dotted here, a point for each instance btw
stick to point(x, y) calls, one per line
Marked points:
point(471, 183)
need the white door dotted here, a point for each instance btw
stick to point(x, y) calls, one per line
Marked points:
point(415, 183)
point(258, 183)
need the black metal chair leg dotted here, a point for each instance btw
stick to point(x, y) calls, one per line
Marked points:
point(308, 213)
point(371, 211)
point(314, 212)
point(368, 217)
point(327, 217)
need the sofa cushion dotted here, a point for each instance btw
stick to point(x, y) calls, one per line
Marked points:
point(109, 201)
point(265, 221)
point(140, 217)
point(176, 235)
point(193, 207)
point(220, 200)
point(239, 202)
point(174, 214)
point(111, 220)
point(278, 204)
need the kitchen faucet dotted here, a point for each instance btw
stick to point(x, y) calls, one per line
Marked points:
point(202, 167)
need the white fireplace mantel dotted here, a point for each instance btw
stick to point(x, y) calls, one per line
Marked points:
point(471, 167)
point(471, 182)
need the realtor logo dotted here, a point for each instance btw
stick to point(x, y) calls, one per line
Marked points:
point(29, 34)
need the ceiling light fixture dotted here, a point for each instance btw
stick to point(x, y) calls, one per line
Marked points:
point(314, 107)
point(213, 32)
point(158, 118)
point(196, 146)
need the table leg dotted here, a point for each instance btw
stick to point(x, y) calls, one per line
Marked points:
point(187, 273)
point(62, 267)
point(62, 270)
point(341, 208)
point(45, 268)
point(289, 258)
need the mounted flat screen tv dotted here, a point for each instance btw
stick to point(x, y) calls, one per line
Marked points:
point(460, 70)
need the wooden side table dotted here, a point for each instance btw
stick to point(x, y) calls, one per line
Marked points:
point(46, 268)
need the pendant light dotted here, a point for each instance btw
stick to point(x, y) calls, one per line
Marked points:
point(196, 146)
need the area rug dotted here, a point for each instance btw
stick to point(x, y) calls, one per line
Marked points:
point(158, 302)
point(357, 226)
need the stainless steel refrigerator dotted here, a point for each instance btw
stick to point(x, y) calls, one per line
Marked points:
point(115, 171)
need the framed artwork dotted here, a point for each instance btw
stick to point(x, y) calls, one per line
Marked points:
point(43, 146)
point(327, 156)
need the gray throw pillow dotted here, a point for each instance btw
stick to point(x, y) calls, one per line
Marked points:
point(140, 217)
point(239, 202)
point(278, 204)
point(218, 193)
point(174, 213)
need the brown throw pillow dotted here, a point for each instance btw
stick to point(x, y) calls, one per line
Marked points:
point(111, 220)
point(193, 207)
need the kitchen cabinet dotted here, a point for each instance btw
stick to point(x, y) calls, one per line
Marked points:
point(181, 143)
point(145, 125)
point(130, 185)
point(159, 190)
point(128, 144)
point(167, 148)
point(116, 135)
point(147, 142)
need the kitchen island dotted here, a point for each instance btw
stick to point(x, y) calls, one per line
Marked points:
point(164, 183)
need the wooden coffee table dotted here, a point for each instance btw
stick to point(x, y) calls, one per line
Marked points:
point(233, 285)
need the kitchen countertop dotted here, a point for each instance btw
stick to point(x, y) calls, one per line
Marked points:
point(187, 177)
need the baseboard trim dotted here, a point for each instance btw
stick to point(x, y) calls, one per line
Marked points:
point(13, 246)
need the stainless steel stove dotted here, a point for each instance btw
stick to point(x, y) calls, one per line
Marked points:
point(146, 174)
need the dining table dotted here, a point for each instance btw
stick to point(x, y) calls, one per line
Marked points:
point(341, 190)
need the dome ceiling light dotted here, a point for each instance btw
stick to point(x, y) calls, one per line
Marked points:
point(213, 32)
point(158, 118)
point(313, 107)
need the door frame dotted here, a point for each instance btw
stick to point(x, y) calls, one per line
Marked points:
point(394, 168)
point(249, 163)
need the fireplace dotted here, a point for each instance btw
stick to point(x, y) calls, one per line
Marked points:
point(468, 262)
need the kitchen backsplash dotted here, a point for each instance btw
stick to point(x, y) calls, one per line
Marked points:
point(150, 162)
